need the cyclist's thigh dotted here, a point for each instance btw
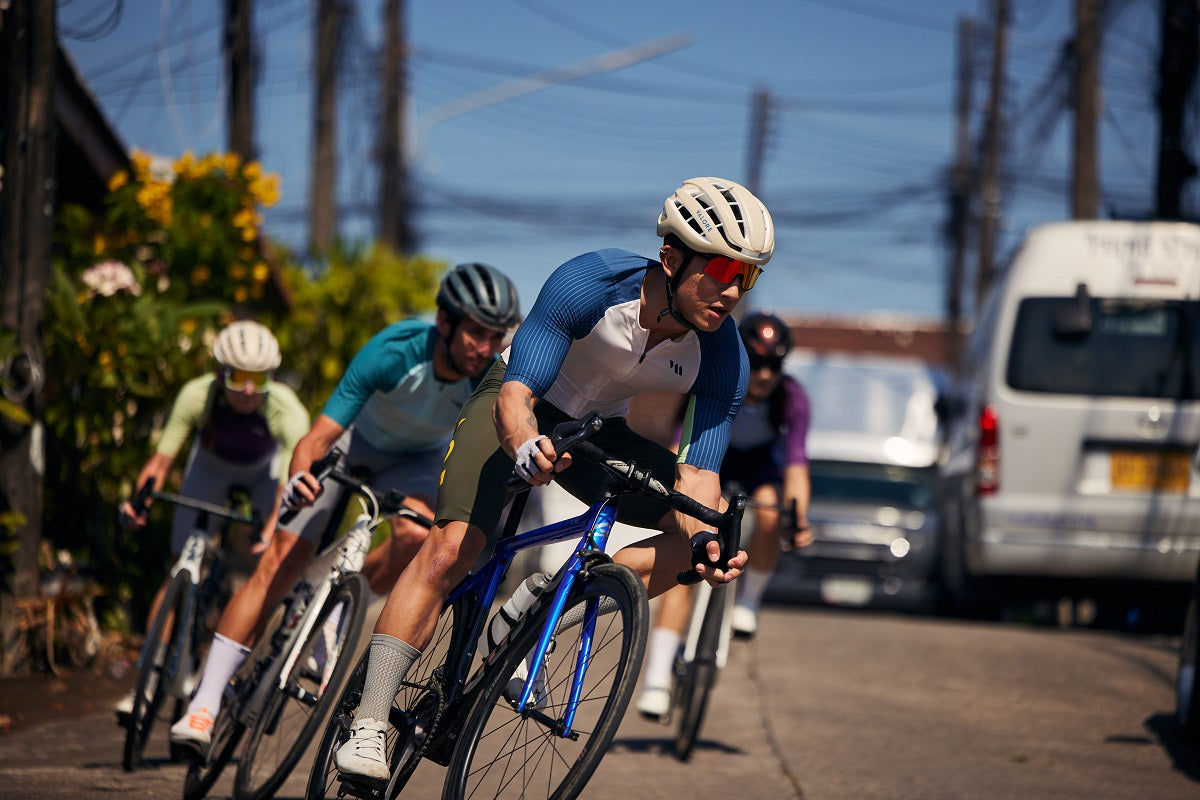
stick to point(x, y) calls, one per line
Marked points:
point(471, 482)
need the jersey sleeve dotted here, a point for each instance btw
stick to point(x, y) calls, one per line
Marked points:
point(570, 303)
point(797, 414)
point(717, 395)
point(186, 415)
point(374, 368)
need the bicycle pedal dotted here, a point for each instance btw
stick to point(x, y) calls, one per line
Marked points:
point(360, 786)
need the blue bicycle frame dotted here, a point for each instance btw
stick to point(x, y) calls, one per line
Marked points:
point(594, 527)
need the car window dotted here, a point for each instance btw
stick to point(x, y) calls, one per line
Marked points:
point(872, 484)
point(1125, 349)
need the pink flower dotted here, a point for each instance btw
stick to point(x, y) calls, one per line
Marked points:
point(109, 277)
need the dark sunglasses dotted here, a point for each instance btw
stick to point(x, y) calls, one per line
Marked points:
point(757, 362)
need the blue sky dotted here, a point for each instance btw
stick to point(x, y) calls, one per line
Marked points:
point(860, 135)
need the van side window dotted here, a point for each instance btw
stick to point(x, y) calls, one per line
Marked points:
point(1131, 349)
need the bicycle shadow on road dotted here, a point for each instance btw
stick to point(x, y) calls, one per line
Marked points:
point(1185, 755)
point(661, 746)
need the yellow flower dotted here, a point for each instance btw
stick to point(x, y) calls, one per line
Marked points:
point(230, 163)
point(237, 271)
point(184, 165)
point(118, 179)
point(188, 326)
point(244, 218)
point(249, 233)
point(200, 274)
point(239, 294)
point(265, 190)
point(252, 170)
point(105, 358)
point(99, 244)
point(261, 272)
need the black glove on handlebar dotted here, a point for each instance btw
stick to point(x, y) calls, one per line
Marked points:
point(699, 545)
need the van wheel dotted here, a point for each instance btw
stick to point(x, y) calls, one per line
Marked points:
point(1187, 693)
point(962, 594)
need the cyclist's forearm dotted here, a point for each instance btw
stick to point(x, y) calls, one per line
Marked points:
point(157, 468)
point(513, 416)
point(314, 444)
point(796, 485)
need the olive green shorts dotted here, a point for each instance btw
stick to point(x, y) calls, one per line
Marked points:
point(472, 483)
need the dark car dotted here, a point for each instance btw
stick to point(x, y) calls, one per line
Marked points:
point(873, 447)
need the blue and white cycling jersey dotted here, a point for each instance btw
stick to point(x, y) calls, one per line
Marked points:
point(390, 394)
point(582, 348)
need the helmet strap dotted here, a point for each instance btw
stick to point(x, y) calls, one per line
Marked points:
point(671, 282)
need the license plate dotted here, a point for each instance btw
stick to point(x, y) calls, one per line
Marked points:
point(1138, 470)
point(845, 590)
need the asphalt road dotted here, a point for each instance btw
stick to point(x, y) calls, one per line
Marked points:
point(822, 705)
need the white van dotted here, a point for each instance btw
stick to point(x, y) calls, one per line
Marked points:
point(1071, 452)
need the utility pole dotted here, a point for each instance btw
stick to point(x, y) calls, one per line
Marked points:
point(960, 189)
point(992, 144)
point(395, 207)
point(239, 66)
point(1085, 185)
point(27, 76)
point(1177, 73)
point(323, 189)
point(760, 111)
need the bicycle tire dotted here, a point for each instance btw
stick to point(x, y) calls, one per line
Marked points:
point(502, 753)
point(146, 708)
point(414, 719)
point(286, 727)
point(1187, 693)
point(699, 676)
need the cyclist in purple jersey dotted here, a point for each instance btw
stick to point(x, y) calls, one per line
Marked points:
point(607, 325)
point(767, 458)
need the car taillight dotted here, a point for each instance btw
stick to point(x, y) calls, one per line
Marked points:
point(987, 465)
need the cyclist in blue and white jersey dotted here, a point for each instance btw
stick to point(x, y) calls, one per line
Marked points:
point(391, 414)
point(607, 326)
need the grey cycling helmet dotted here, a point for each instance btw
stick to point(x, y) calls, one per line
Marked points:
point(247, 345)
point(481, 293)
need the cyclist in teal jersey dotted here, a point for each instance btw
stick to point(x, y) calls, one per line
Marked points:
point(246, 426)
point(391, 415)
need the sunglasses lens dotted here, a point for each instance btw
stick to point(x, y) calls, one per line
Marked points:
point(237, 379)
point(770, 362)
point(725, 270)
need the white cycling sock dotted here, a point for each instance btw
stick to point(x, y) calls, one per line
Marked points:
point(660, 657)
point(388, 661)
point(753, 585)
point(224, 657)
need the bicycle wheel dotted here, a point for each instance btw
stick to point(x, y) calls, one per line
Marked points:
point(162, 648)
point(1187, 698)
point(502, 753)
point(292, 716)
point(414, 717)
point(698, 676)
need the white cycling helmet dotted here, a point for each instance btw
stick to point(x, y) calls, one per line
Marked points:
point(719, 217)
point(247, 345)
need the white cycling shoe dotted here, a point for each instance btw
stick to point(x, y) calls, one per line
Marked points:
point(744, 621)
point(363, 757)
point(654, 702)
point(538, 698)
point(194, 729)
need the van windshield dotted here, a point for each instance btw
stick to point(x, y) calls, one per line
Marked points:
point(1125, 349)
point(872, 484)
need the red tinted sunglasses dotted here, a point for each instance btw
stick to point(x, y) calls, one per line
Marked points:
point(726, 270)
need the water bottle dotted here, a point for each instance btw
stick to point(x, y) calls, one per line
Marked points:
point(511, 611)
